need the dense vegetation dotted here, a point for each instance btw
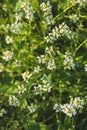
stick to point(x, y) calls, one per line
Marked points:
point(43, 65)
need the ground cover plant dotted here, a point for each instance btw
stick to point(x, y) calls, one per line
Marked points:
point(43, 65)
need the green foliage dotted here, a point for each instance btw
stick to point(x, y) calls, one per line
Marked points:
point(43, 65)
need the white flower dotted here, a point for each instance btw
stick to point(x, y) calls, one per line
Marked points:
point(5, 7)
point(55, 33)
point(49, 38)
point(85, 67)
point(68, 61)
point(13, 101)
point(17, 63)
point(74, 18)
point(49, 50)
point(25, 6)
point(18, 17)
point(47, 88)
point(48, 20)
point(68, 109)
point(37, 69)
point(16, 27)
point(38, 89)
point(32, 108)
point(29, 12)
point(51, 65)
point(57, 107)
point(77, 102)
point(2, 111)
point(8, 39)
point(29, 16)
point(46, 8)
point(1, 67)
point(44, 78)
point(63, 28)
point(26, 76)
point(41, 59)
point(53, 36)
point(5, 27)
point(7, 55)
point(81, 2)
point(21, 89)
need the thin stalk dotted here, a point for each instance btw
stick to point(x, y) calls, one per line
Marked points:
point(85, 41)
point(49, 118)
point(65, 10)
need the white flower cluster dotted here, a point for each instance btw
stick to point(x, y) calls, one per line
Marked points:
point(81, 2)
point(70, 109)
point(8, 39)
point(26, 12)
point(29, 12)
point(77, 102)
point(42, 59)
point(13, 101)
point(5, 27)
point(21, 89)
point(74, 18)
point(7, 55)
point(68, 61)
point(26, 76)
point(32, 108)
point(16, 27)
point(39, 89)
point(62, 30)
point(85, 67)
point(1, 67)
point(46, 8)
point(51, 63)
point(45, 59)
point(53, 36)
point(18, 16)
point(44, 87)
point(2, 112)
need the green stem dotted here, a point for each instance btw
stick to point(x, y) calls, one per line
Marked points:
point(65, 10)
point(83, 16)
point(49, 118)
point(73, 123)
point(11, 128)
point(80, 45)
point(58, 121)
